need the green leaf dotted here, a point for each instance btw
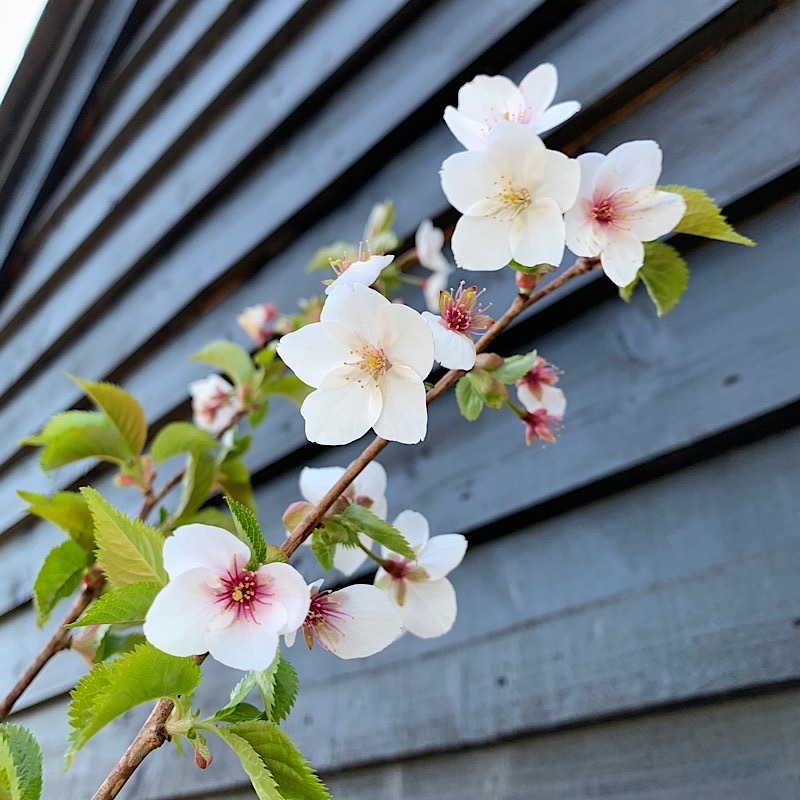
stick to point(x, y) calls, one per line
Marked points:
point(514, 367)
point(116, 686)
point(664, 274)
point(469, 401)
point(122, 408)
point(488, 388)
point(322, 258)
point(117, 643)
point(181, 437)
point(241, 712)
point(228, 357)
point(75, 435)
point(20, 764)
point(294, 777)
point(264, 784)
point(59, 577)
point(68, 510)
point(626, 292)
point(127, 604)
point(379, 530)
point(241, 690)
point(323, 550)
point(213, 516)
point(285, 690)
point(703, 217)
point(129, 550)
point(198, 478)
point(234, 480)
point(249, 531)
point(290, 387)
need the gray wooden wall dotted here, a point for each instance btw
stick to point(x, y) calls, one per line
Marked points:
point(627, 603)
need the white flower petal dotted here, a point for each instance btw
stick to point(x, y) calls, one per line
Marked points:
point(180, 616)
point(404, 415)
point(414, 527)
point(363, 272)
point(538, 88)
point(512, 147)
point(469, 132)
point(489, 96)
point(622, 256)
point(658, 216)
point(433, 287)
point(430, 608)
point(243, 645)
point(637, 163)
point(553, 401)
point(315, 482)
point(556, 115)
point(369, 622)
point(405, 338)
point(558, 179)
point(481, 244)
point(371, 482)
point(290, 592)
point(209, 386)
point(311, 353)
point(442, 554)
point(590, 165)
point(428, 242)
point(348, 559)
point(451, 349)
point(537, 234)
point(467, 178)
point(197, 545)
point(341, 411)
point(355, 307)
point(580, 230)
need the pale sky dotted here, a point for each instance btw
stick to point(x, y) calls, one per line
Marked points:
point(18, 18)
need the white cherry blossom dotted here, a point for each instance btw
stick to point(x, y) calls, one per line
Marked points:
point(254, 321)
point(365, 272)
point(367, 358)
point(353, 622)
point(543, 413)
point(428, 242)
point(512, 195)
point(214, 604)
point(215, 403)
point(424, 597)
point(486, 101)
point(619, 207)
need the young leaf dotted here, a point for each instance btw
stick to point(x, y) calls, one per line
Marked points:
point(122, 409)
point(201, 470)
point(264, 784)
point(514, 367)
point(290, 387)
point(249, 531)
point(293, 775)
point(488, 388)
point(323, 550)
point(229, 358)
point(129, 550)
point(664, 274)
point(116, 643)
point(285, 691)
point(379, 530)
point(181, 437)
point(116, 686)
point(68, 510)
point(703, 217)
point(20, 764)
point(58, 577)
point(128, 604)
point(241, 712)
point(469, 401)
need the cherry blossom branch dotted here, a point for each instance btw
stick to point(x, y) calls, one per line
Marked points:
point(521, 303)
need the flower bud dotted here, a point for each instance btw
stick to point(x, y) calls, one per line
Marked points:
point(295, 513)
point(526, 283)
point(489, 361)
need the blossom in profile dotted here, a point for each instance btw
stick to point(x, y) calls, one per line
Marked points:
point(214, 603)
point(368, 490)
point(530, 387)
point(486, 101)
point(367, 358)
point(428, 242)
point(365, 271)
point(215, 403)
point(353, 622)
point(619, 207)
point(512, 195)
point(255, 322)
point(461, 317)
point(542, 416)
point(424, 597)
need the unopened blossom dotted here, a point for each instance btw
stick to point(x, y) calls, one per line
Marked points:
point(368, 490)
point(530, 386)
point(424, 597)
point(367, 359)
point(214, 603)
point(461, 317)
point(542, 416)
point(428, 242)
point(486, 101)
point(512, 194)
point(619, 207)
point(365, 271)
point(354, 622)
point(255, 322)
point(215, 403)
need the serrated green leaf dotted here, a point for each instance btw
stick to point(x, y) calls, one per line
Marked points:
point(249, 531)
point(241, 712)
point(664, 274)
point(198, 478)
point(129, 550)
point(323, 550)
point(116, 686)
point(20, 763)
point(234, 480)
point(335, 251)
point(67, 510)
point(469, 401)
point(228, 357)
point(122, 408)
point(241, 690)
point(378, 529)
point(128, 604)
point(117, 643)
point(264, 784)
point(265, 681)
point(213, 516)
point(285, 690)
point(703, 217)
point(626, 292)
point(59, 577)
point(514, 367)
point(181, 437)
point(292, 773)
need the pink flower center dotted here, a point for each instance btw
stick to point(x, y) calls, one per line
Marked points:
point(540, 425)
point(372, 361)
point(323, 620)
point(460, 312)
point(241, 592)
point(607, 210)
point(540, 374)
point(397, 568)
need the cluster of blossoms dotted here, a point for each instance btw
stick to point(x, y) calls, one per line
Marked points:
point(543, 402)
